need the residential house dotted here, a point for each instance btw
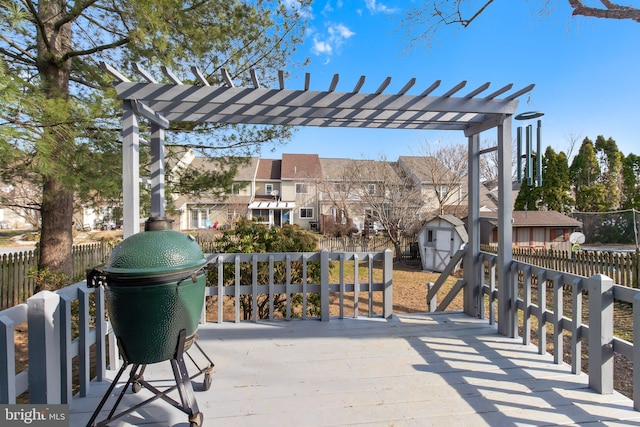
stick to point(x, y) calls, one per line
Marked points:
point(209, 211)
point(532, 229)
point(439, 186)
point(286, 191)
point(314, 193)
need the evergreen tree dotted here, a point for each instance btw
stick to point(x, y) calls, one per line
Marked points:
point(585, 174)
point(610, 160)
point(59, 118)
point(631, 182)
point(554, 193)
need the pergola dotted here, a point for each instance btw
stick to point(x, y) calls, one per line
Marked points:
point(470, 112)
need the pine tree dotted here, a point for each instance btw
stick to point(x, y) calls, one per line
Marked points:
point(610, 160)
point(585, 175)
point(61, 119)
point(554, 193)
point(631, 182)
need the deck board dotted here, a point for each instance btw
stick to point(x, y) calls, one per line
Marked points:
point(412, 370)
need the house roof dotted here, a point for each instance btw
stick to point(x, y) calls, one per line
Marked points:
point(269, 169)
point(300, 166)
point(246, 172)
point(535, 219)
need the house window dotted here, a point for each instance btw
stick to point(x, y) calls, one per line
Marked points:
point(306, 213)
point(441, 191)
point(430, 236)
point(261, 215)
point(235, 189)
point(371, 189)
point(558, 235)
point(198, 218)
point(302, 188)
point(268, 188)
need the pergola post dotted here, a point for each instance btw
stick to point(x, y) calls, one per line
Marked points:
point(157, 170)
point(506, 291)
point(472, 266)
point(130, 170)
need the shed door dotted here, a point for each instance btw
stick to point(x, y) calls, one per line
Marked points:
point(444, 248)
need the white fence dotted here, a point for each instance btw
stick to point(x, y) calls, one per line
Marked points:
point(52, 347)
point(564, 314)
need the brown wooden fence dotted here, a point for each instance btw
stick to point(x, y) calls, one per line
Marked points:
point(364, 244)
point(622, 267)
point(339, 244)
point(16, 285)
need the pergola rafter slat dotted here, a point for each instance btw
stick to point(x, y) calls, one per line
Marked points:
point(164, 103)
point(173, 101)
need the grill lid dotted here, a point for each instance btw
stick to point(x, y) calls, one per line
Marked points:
point(155, 253)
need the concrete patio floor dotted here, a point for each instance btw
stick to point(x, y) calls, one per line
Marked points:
point(412, 370)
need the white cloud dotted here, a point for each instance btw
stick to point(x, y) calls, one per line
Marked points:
point(334, 38)
point(321, 47)
point(340, 32)
point(375, 7)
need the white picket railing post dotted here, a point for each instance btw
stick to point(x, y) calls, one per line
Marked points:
point(388, 287)
point(324, 284)
point(600, 333)
point(100, 332)
point(66, 356)
point(7, 361)
point(44, 348)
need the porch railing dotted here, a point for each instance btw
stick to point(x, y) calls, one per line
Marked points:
point(55, 337)
point(52, 345)
point(563, 312)
point(343, 286)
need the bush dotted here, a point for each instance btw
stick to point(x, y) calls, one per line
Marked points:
point(253, 237)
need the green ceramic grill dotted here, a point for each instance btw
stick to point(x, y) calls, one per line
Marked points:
point(154, 286)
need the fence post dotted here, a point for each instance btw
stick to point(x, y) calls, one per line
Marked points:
point(387, 297)
point(636, 352)
point(600, 333)
point(44, 348)
point(324, 284)
point(7, 361)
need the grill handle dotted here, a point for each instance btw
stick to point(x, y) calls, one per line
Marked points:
point(96, 277)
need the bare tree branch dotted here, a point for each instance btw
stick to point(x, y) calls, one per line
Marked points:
point(611, 10)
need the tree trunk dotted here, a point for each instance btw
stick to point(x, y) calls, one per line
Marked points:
point(54, 41)
point(56, 236)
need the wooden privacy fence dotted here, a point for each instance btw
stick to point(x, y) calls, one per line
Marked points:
point(622, 267)
point(365, 244)
point(16, 285)
point(339, 244)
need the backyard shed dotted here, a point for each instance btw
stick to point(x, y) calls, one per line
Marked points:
point(439, 239)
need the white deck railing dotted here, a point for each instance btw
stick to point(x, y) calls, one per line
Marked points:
point(324, 288)
point(597, 329)
point(52, 348)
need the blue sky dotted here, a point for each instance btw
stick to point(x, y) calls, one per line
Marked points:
point(586, 71)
